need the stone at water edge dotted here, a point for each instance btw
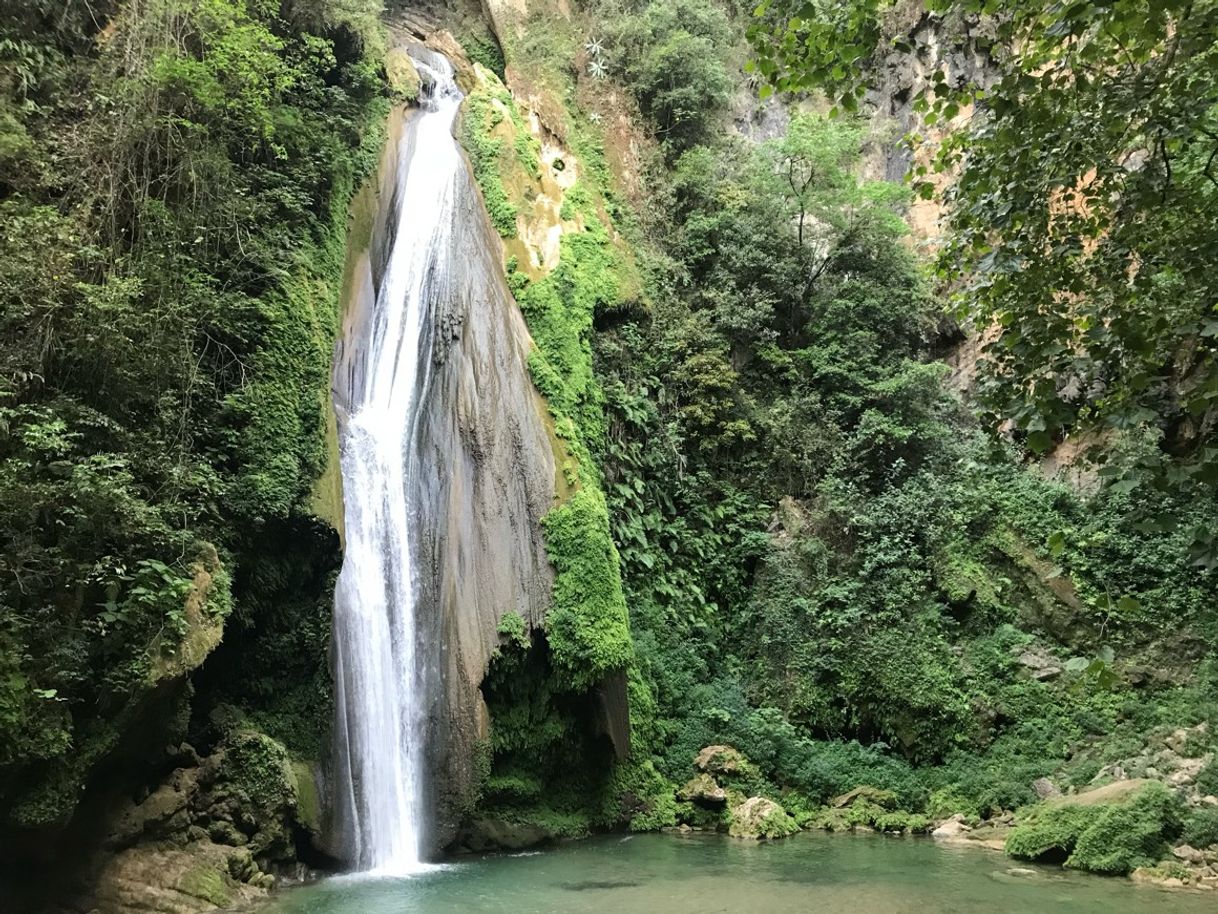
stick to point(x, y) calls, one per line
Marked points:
point(758, 817)
point(402, 75)
point(955, 827)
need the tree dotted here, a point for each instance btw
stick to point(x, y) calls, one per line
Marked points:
point(1084, 207)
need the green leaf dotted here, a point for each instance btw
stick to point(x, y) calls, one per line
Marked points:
point(1057, 543)
point(1039, 442)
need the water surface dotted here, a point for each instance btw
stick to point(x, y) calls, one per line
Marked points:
point(811, 873)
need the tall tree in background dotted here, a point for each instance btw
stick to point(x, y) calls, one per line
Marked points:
point(1083, 213)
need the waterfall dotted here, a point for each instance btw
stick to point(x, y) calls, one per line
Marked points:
point(384, 671)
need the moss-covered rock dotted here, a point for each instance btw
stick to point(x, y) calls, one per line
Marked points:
point(885, 799)
point(759, 817)
point(402, 75)
point(153, 877)
point(702, 788)
point(1129, 831)
point(722, 760)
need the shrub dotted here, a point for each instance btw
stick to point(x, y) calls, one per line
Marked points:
point(1106, 838)
point(1201, 828)
point(1124, 837)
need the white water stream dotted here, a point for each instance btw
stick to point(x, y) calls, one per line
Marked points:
point(381, 668)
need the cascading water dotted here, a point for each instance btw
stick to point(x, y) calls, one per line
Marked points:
point(383, 668)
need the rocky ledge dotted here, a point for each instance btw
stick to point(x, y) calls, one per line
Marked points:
point(218, 831)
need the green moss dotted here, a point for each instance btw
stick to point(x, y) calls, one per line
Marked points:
point(1105, 838)
point(777, 824)
point(1128, 835)
point(900, 821)
point(1051, 834)
point(402, 75)
point(587, 626)
point(528, 151)
point(308, 799)
point(258, 766)
point(480, 116)
point(206, 883)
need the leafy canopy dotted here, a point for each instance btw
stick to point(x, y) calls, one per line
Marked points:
point(1084, 205)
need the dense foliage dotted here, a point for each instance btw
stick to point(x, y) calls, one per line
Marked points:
point(172, 213)
point(777, 527)
point(825, 559)
point(1081, 207)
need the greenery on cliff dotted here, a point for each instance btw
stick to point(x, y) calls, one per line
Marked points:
point(174, 179)
point(827, 556)
point(779, 526)
point(1081, 208)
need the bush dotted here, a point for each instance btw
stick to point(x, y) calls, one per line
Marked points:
point(1124, 837)
point(1106, 838)
point(1201, 828)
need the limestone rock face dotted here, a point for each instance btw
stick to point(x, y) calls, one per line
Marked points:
point(176, 880)
point(211, 834)
point(485, 466)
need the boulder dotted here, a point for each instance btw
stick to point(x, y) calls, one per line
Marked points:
point(1188, 854)
point(1040, 665)
point(1115, 792)
point(758, 817)
point(720, 760)
point(172, 881)
point(1186, 772)
point(953, 828)
point(402, 75)
point(885, 799)
point(1045, 789)
point(703, 789)
point(492, 833)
